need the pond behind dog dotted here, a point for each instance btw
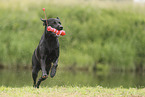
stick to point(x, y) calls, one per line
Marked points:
point(20, 78)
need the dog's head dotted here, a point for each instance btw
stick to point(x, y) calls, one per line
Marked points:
point(53, 22)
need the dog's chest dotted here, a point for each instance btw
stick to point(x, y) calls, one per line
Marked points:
point(51, 44)
point(51, 47)
point(50, 52)
point(51, 55)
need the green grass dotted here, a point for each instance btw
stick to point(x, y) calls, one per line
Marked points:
point(75, 91)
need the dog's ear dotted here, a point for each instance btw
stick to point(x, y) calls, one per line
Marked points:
point(58, 18)
point(44, 21)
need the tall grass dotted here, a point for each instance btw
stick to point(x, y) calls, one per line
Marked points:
point(94, 34)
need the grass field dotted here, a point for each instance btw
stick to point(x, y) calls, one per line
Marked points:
point(70, 92)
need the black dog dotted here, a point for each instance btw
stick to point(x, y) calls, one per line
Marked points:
point(47, 52)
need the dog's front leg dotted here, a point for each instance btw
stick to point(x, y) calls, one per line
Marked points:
point(55, 63)
point(53, 69)
point(44, 74)
point(43, 68)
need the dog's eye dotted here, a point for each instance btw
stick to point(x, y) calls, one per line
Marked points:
point(59, 23)
point(54, 22)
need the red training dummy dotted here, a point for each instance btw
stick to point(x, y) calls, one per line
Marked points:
point(57, 32)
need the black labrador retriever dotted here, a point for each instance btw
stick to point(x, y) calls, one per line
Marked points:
point(47, 52)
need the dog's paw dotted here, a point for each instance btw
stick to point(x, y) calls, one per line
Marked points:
point(34, 86)
point(37, 87)
point(44, 76)
point(53, 72)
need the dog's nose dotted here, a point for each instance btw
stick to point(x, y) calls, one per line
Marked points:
point(61, 27)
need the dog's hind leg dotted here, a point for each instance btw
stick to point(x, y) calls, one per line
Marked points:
point(35, 69)
point(34, 75)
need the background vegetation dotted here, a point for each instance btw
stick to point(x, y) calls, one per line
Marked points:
point(96, 35)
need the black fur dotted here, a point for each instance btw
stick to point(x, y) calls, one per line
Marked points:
point(47, 52)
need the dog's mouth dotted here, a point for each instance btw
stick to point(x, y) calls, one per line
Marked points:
point(60, 28)
point(53, 34)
